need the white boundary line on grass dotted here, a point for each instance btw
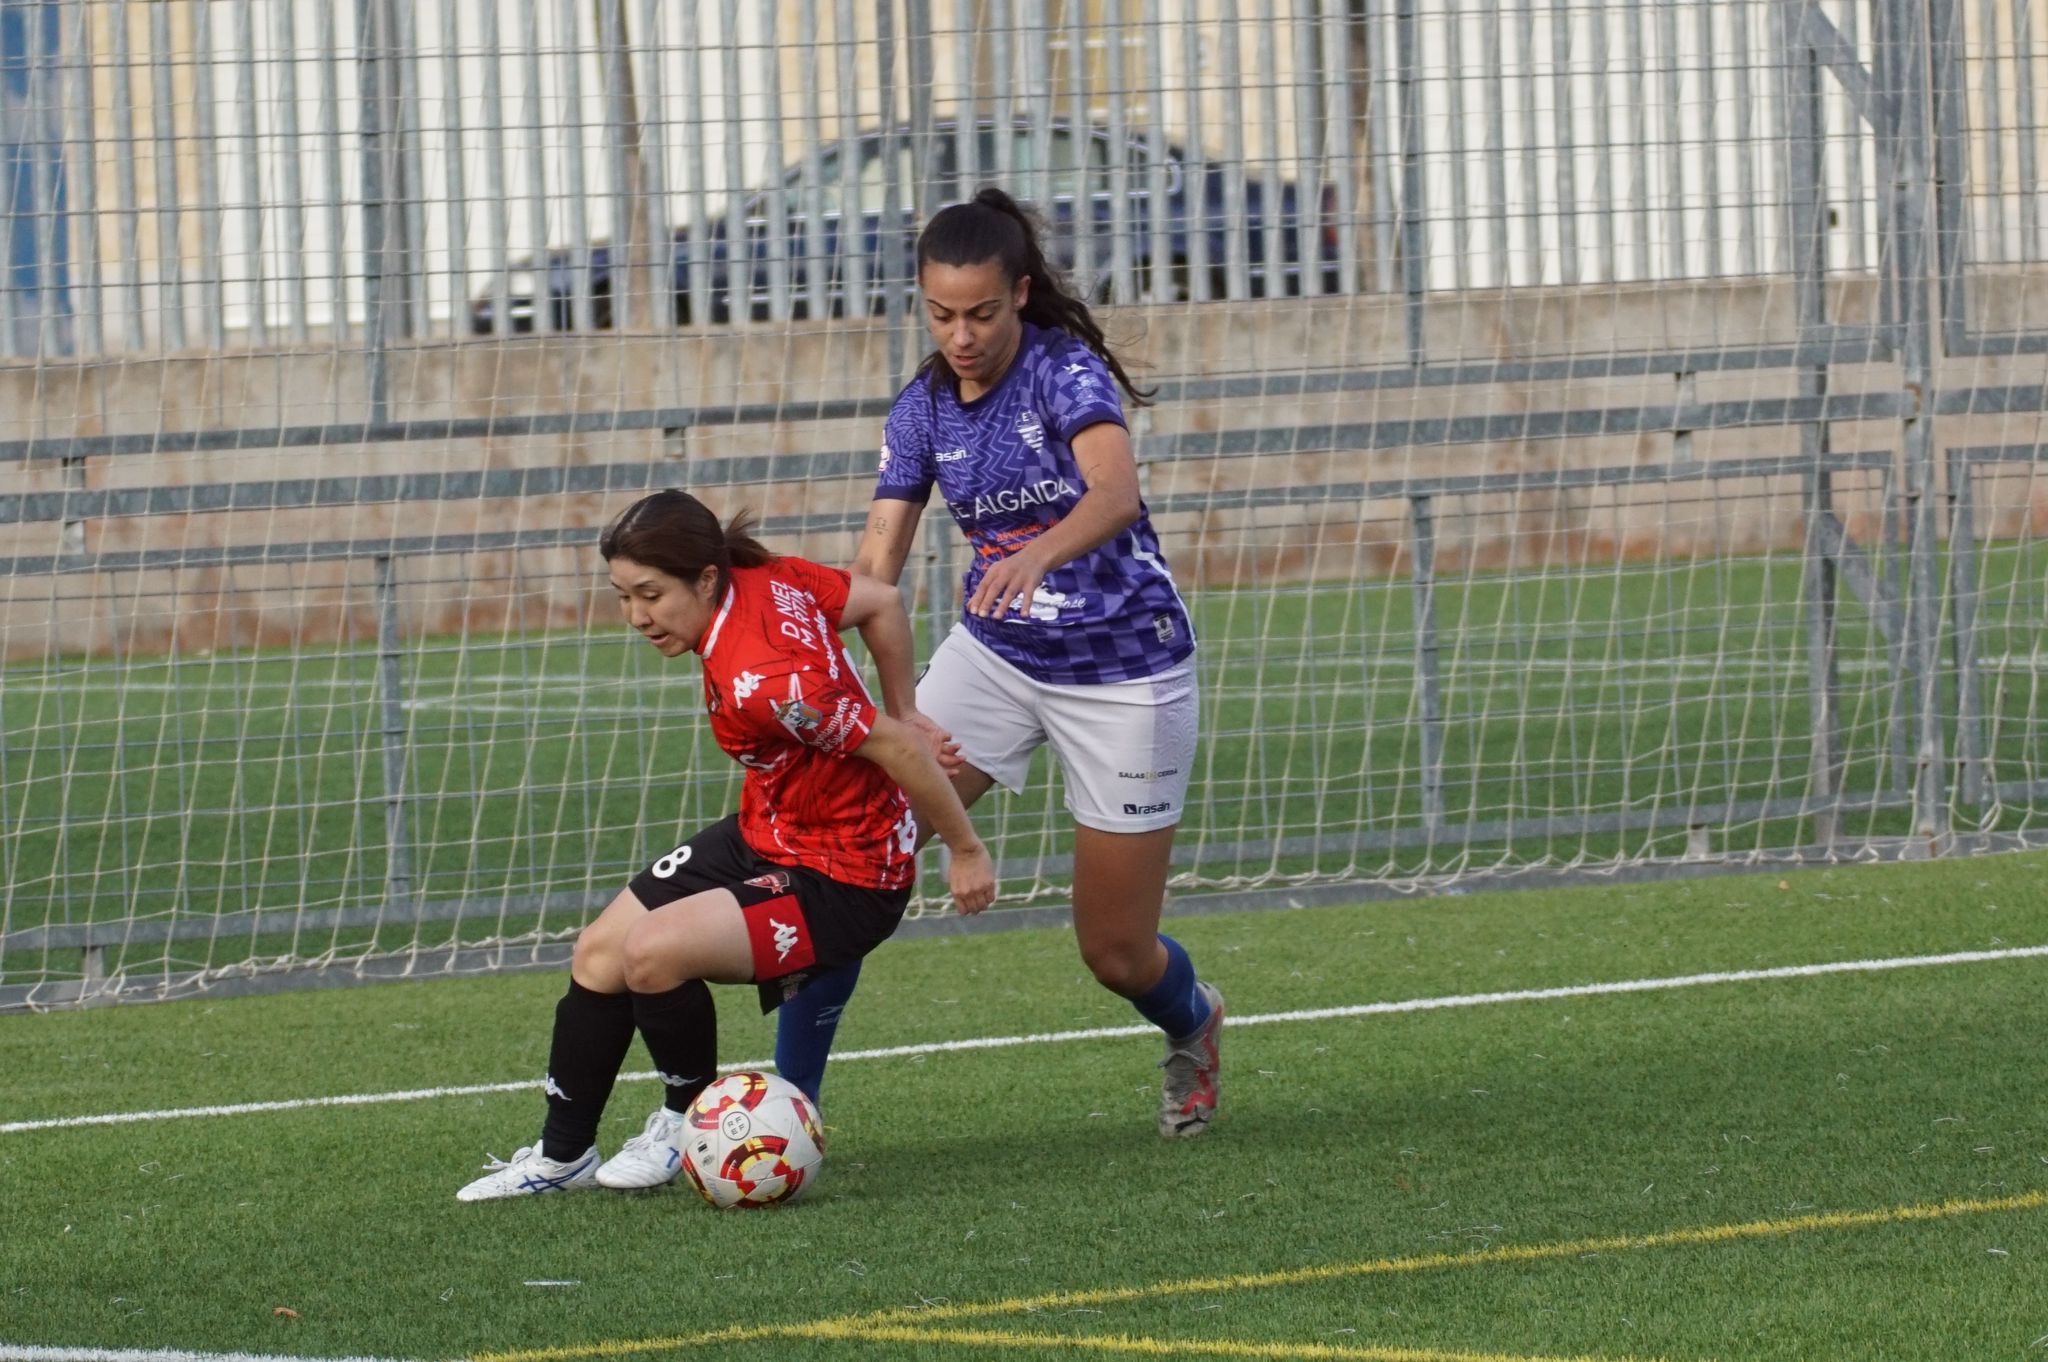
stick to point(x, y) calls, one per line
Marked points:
point(1526, 995)
point(23, 1352)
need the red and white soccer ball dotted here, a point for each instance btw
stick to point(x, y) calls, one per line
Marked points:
point(752, 1140)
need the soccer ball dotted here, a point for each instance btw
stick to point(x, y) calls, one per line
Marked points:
point(752, 1140)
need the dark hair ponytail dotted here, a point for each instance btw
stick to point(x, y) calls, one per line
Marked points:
point(994, 226)
point(678, 534)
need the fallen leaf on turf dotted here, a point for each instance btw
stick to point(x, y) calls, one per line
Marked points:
point(286, 1311)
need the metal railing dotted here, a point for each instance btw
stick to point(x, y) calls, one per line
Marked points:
point(191, 173)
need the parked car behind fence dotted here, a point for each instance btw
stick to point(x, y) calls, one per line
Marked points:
point(800, 257)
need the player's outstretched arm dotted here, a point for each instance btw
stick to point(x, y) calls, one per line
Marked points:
point(885, 543)
point(902, 753)
point(875, 608)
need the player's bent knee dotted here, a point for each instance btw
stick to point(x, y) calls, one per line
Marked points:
point(1125, 967)
point(652, 961)
point(595, 961)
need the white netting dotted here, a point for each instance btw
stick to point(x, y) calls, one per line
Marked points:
point(1563, 413)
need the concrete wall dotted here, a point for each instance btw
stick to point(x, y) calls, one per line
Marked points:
point(211, 608)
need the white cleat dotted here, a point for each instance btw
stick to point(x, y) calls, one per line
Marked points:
point(530, 1173)
point(1194, 1075)
point(650, 1159)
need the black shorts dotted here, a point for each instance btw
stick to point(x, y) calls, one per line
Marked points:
point(801, 923)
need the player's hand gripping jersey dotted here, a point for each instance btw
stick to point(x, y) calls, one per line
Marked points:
point(1005, 465)
point(786, 703)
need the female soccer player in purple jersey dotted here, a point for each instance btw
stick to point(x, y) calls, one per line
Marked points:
point(1072, 634)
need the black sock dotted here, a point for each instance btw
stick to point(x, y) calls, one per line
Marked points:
point(681, 1031)
point(592, 1034)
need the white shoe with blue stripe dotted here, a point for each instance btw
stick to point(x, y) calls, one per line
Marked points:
point(530, 1173)
point(650, 1159)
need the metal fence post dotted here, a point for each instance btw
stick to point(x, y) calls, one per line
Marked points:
point(1800, 99)
point(1428, 682)
point(1962, 593)
point(391, 728)
point(1912, 193)
point(888, 258)
point(380, 308)
point(1413, 228)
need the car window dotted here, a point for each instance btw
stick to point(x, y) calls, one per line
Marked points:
point(874, 184)
point(797, 186)
point(1064, 159)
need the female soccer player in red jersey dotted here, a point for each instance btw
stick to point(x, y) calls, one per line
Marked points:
point(812, 873)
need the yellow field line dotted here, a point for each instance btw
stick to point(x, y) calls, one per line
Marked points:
point(1165, 1347)
point(1701, 1235)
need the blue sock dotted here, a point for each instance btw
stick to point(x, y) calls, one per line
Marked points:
point(805, 1025)
point(1174, 1005)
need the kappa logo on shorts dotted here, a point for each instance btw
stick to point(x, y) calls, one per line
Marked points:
point(785, 938)
point(775, 881)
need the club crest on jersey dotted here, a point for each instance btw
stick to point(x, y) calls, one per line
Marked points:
point(794, 715)
point(775, 881)
point(1031, 430)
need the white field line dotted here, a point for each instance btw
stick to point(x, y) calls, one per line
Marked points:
point(1439, 1003)
point(25, 1352)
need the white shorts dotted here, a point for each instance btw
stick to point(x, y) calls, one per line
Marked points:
point(1126, 748)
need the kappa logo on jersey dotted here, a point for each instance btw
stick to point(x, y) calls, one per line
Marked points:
point(775, 881)
point(744, 685)
point(785, 939)
point(1031, 430)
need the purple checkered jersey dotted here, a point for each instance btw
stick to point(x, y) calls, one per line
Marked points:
point(1004, 463)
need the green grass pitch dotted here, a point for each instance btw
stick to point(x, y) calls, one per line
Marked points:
point(1844, 1166)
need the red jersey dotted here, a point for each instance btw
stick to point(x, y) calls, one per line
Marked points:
point(787, 704)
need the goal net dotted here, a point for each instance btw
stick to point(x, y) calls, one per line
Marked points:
point(1596, 438)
